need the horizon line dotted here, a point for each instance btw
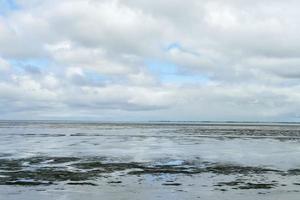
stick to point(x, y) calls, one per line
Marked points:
point(149, 121)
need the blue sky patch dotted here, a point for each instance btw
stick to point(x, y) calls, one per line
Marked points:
point(169, 73)
point(29, 65)
point(7, 6)
point(161, 67)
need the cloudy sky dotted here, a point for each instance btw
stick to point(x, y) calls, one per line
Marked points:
point(150, 60)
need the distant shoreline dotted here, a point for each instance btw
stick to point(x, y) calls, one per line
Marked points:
point(156, 122)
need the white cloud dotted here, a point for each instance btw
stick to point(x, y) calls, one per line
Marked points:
point(97, 53)
point(4, 65)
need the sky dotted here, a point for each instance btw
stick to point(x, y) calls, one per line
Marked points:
point(140, 60)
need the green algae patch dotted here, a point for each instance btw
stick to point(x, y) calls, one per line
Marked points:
point(246, 185)
point(82, 183)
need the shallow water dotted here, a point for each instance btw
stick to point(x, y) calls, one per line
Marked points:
point(81, 160)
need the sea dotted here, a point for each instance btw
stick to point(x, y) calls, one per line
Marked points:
point(78, 160)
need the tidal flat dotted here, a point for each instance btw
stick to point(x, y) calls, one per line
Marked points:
point(155, 160)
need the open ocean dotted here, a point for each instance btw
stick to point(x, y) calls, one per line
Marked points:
point(64, 160)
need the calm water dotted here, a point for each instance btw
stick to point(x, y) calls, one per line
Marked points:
point(75, 160)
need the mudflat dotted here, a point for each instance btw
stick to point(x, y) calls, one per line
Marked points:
point(85, 160)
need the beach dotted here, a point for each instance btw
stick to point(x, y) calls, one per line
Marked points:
point(148, 160)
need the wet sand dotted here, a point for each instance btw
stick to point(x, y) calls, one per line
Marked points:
point(148, 161)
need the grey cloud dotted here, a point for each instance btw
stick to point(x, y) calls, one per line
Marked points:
point(32, 69)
